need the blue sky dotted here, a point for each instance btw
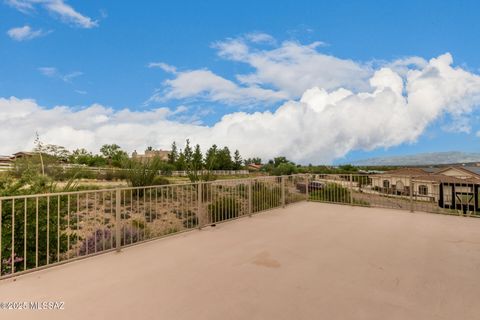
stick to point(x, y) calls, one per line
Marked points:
point(100, 54)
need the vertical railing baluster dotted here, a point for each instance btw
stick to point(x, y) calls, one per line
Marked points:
point(411, 194)
point(36, 232)
point(48, 230)
point(68, 227)
point(58, 228)
point(117, 219)
point(24, 234)
point(1, 229)
point(250, 197)
point(13, 238)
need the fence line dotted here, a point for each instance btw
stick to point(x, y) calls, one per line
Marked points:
point(37, 231)
point(176, 173)
point(429, 193)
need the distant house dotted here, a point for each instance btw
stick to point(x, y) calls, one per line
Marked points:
point(150, 154)
point(451, 187)
point(461, 172)
point(5, 159)
point(23, 154)
point(254, 167)
point(5, 163)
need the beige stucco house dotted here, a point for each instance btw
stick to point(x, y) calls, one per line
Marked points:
point(150, 154)
point(447, 186)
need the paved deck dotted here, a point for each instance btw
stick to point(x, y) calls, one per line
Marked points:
point(309, 261)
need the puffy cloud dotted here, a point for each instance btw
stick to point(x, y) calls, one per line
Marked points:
point(165, 67)
point(293, 67)
point(25, 33)
point(280, 73)
point(320, 127)
point(260, 37)
point(58, 7)
point(204, 84)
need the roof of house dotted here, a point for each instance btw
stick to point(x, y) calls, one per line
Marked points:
point(405, 172)
point(445, 179)
point(427, 175)
point(5, 159)
point(469, 170)
point(26, 153)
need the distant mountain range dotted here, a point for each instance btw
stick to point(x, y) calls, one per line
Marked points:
point(419, 159)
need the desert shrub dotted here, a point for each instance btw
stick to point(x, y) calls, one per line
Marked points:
point(284, 169)
point(265, 196)
point(223, 209)
point(24, 214)
point(331, 192)
point(142, 173)
point(159, 181)
point(188, 218)
point(105, 238)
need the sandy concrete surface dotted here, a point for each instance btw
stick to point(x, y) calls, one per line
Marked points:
point(308, 261)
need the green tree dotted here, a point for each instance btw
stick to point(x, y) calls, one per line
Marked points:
point(173, 155)
point(188, 153)
point(197, 159)
point(279, 160)
point(180, 164)
point(196, 164)
point(82, 156)
point(255, 160)
point(114, 154)
point(224, 159)
point(284, 169)
point(237, 160)
point(211, 158)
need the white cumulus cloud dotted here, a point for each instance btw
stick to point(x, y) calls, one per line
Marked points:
point(280, 72)
point(59, 8)
point(321, 126)
point(25, 33)
point(204, 84)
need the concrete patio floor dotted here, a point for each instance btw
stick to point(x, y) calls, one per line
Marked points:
point(308, 261)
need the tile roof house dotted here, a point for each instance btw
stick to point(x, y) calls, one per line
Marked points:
point(150, 154)
point(449, 186)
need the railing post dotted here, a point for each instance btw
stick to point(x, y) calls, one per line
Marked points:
point(411, 194)
point(351, 189)
point(250, 197)
point(306, 187)
point(118, 219)
point(283, 191)
point(199, 203)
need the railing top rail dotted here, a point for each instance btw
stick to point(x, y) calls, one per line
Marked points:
point(79, 192)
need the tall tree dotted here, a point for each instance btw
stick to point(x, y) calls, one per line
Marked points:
point(188, 153)
point(237, 160)
point(114, 154)
point(224, 159)
point(180, 164)
point(173, 155)
point(211, 158)
point(255, 160)
point(195, 165)
point(197, 158)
